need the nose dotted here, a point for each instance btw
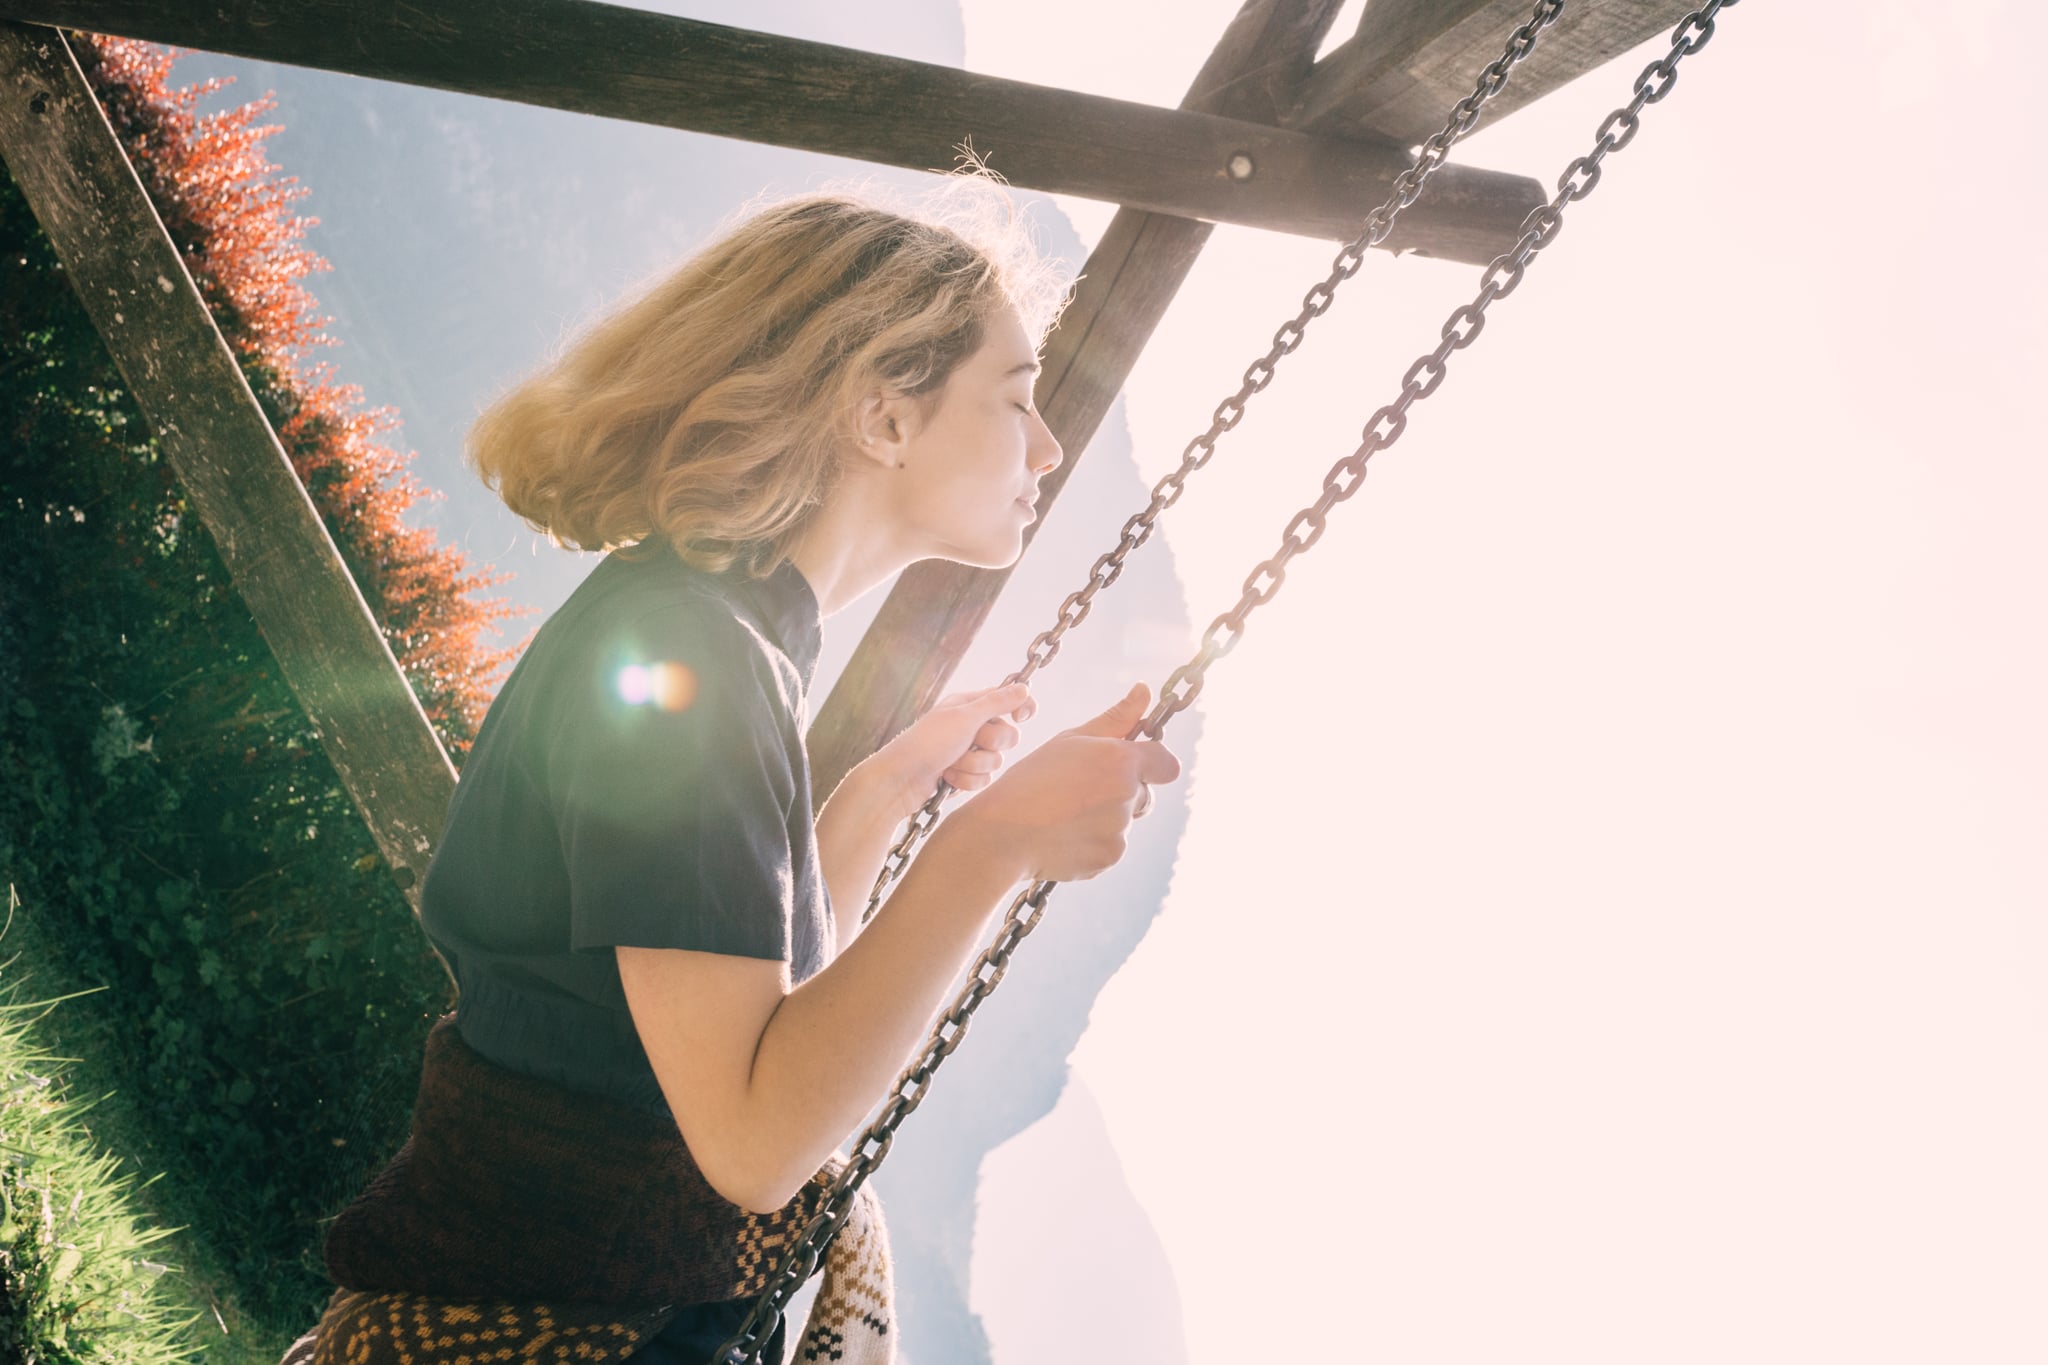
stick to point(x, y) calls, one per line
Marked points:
point(1042, 453)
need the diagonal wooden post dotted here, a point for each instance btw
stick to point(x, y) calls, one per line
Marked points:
point(70, 166)
point(1413, 58)
point(932, 614)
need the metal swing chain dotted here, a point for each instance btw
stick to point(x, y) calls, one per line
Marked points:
point(1340, 483)
point(1406, 189)
point(1539, 230)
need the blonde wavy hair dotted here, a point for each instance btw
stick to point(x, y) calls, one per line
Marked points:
point(714, 408)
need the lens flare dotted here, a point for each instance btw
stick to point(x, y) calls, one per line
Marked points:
point(664, 686)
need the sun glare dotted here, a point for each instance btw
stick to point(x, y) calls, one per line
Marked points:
point(664, 686)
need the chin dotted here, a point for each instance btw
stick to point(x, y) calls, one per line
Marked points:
point(985, 560)
point(998, 552)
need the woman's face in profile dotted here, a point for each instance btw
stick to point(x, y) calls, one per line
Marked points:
point(974, 453)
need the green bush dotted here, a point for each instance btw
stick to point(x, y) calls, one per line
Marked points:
point(164, 803)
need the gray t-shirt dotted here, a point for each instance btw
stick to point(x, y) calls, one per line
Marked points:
point(640, 780)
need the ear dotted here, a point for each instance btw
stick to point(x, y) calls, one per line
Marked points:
point(882, 427)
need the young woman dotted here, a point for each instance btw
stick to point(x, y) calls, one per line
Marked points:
point(670, 1013)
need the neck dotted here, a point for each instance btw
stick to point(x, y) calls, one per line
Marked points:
point(850, 546)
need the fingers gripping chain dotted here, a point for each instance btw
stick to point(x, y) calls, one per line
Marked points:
point(1180, 690)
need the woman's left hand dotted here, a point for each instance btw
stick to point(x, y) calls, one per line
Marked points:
point(962, 740)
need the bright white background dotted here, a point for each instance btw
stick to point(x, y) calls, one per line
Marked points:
point(1611, 923)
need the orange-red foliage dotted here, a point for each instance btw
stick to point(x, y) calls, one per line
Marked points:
point(231, 215)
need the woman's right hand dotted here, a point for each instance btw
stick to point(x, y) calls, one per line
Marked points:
point(766, 1078)
point(1062, 812)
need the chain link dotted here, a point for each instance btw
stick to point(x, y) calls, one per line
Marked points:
point(1185, 684)
point(1258, 375)
point(1423, 377)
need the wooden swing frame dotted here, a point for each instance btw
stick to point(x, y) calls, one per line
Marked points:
point(1267, 136)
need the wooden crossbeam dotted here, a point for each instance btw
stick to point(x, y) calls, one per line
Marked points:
point(932, 614)
point(76, 178)
point(652, 68)
point(1413, 59)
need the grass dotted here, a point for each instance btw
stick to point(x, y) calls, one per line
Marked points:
point(89, 1274)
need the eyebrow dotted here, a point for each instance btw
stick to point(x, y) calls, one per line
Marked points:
point(1028, 367)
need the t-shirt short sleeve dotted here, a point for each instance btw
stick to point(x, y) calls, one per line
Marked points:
point(672, 784)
